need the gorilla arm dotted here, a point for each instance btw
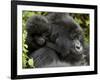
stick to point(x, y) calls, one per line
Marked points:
point(43, 57)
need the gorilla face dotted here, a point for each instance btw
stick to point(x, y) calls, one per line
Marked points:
point(68, 36)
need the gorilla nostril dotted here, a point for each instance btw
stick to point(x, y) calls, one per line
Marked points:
point(77, 47)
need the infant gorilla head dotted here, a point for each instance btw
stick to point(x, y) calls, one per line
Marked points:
point(55, 40)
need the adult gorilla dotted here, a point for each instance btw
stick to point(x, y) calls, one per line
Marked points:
point(55, 40)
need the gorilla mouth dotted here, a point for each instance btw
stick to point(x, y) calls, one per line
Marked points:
point(75, 53)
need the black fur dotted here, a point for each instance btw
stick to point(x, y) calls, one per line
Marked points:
point(55, 40)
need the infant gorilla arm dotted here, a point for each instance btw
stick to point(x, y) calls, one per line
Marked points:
point(55, 40)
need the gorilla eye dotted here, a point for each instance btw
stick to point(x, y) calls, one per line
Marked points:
point(76, 36)
point(46, 34)
point(73, 36)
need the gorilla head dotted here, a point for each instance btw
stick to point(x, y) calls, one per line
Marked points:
point(67, 35)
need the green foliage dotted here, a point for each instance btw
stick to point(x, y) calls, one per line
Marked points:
point(84, 22)
point(26, 61)
point(82, 19)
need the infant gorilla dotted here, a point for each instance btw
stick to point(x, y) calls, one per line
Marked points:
point(56, 40)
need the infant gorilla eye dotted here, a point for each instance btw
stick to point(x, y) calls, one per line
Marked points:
point(46, 34)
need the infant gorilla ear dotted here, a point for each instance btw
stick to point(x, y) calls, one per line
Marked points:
point(38, 30)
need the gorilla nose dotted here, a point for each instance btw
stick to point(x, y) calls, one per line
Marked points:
point(78, 46)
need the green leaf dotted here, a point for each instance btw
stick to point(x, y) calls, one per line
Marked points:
point(30, 62)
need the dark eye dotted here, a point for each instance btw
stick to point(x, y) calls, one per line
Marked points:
point(73, 36)
point(76, 36)
point(46, 34)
